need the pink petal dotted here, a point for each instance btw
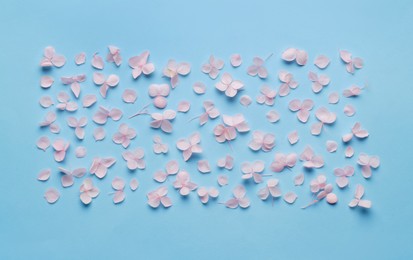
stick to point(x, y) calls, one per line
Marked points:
point(133, 184)
point(172, 167)
point(118, 183)
point(342, 181)
point(289, 54)
point(322, 61)
point(299, 179)
point(203, 166)
point(75, 87)
point(46, 81)
point(184, 68)
point(331, 146)
point(331, 198)
point(349, 152)
point(302, 57)
point(303, 115)
point(58, 60)
point(345, 56)
point(199, 88)
point(46, 101)
point(97, 62)
point(290, 197)
point(349, 110)
point(80, 58)
point(245, 100)
point(99, 134)
point(160, 176)
point(129, 96)
point(236, 60)
point(366, 171)
point(231, 203)
point(293, 137)
point(358, 63)
point(333, 98)
point(67, 181)
point(184, 106)
point(80, 151)
point(316, 128)
point(119, 197)
point(222, 180)
point(44, 175)
point(89, 100)
point(272, 116)
point(51, 195)
point(239, 191)
point(43, 143)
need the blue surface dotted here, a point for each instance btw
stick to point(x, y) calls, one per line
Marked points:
point(188, 31)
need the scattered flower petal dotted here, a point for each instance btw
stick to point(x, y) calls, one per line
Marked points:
point(333, 98)
point(44, 175)
point(184, 106)
point(80, 58)
point(272, 116)
point(331, 146)
point(236, 60)
point(349, 110)
point(89, 100)
point(46, 81)
point(134, 184)
point(97, 62)
point(46, 101)
point(203, 166)
point(51, 195)
point(43, 143)
point(245, 100)
point(129, 96)
point(290, 197)
point(293, 137)
point(322, 61)
point(222, 180)
point(99, 134)
point(80, 151)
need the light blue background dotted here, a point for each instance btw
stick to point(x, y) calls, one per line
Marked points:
point(379, 32)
